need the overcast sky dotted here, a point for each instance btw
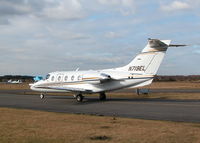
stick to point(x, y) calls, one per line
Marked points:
point(41, 36)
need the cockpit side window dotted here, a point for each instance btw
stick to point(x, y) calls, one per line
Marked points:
point(47, 77)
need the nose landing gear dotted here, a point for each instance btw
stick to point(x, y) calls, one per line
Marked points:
point(42, 96)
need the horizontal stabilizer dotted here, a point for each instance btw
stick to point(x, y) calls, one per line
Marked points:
point(174, 45)
point(155, 43)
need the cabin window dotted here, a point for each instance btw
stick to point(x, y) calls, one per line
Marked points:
point(52, 78)
point(72, 78)
point(59, 78)
point(79, 77)
point(66, 77)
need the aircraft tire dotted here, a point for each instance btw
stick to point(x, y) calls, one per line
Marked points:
point(102, 96)
point(42, 96)
point(79, 98)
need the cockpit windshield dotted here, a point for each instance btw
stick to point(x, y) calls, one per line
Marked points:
point(47, 76)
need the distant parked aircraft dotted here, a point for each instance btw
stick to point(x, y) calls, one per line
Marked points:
point(14, 81)
point(139, 72)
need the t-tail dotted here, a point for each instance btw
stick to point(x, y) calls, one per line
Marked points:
point(147, 63)
point(149, 60)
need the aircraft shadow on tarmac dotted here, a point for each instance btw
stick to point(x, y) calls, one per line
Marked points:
point(93, 100)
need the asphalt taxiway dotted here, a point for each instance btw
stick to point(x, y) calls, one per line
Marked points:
point(153, 109)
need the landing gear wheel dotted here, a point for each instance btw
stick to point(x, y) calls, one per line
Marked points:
point(41, 96)
point(102, 96)
point(79, 98)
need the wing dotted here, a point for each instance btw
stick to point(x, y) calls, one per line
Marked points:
point(71, 89)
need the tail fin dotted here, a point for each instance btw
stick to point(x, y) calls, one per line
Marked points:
point(149, 60)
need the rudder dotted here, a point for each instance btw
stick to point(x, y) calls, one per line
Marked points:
point(149, 60)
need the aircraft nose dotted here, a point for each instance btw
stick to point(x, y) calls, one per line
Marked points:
point(32, 86)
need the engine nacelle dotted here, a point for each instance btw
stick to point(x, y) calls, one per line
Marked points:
point(96, 78)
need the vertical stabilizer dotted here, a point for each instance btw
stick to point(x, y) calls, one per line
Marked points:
point(149, 60)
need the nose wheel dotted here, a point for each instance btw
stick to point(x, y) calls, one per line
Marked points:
point(42, 96)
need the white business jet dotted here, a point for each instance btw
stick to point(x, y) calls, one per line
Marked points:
point(139, 72)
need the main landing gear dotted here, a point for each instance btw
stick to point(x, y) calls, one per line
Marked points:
point(102, 96)
point(79, 97)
